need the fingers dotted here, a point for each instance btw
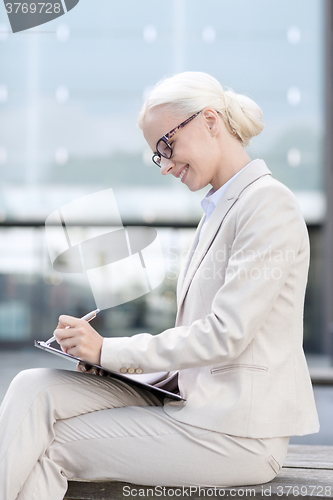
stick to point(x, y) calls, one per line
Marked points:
point(68, 321)
point(68, 327)
point(92, 370)
point(82, 367)
point(78, 338)
point(63, 324)
point(85, 368)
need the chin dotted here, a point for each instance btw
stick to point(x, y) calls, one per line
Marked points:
point(197, 188)
point(196, 182)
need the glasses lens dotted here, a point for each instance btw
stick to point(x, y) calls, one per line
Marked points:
point(164, 149)
point(157, 160)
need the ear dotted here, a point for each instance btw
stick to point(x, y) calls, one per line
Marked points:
point(212, 121)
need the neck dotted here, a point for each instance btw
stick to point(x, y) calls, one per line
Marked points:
point(230, 165)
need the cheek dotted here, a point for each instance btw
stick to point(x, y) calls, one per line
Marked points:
point(196, 151)
point(201, 147)
point(202, 158)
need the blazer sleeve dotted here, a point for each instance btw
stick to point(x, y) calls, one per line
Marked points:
point(270, 240)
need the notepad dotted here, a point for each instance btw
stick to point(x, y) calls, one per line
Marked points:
point(143, 380)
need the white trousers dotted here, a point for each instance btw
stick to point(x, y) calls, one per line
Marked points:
point(58, 424)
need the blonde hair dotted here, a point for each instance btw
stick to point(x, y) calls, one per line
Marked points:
point(192, 91)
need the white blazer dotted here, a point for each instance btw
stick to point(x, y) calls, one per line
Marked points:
point(237, 342)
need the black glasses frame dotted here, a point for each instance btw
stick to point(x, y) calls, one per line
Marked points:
point(167, 153)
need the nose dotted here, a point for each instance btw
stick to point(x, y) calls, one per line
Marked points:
point(166, 166)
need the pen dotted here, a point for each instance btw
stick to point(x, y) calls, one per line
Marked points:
point(88, 317)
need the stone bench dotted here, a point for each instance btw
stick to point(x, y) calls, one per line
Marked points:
point(307, 474)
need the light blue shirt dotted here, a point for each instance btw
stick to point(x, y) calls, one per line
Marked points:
point(212, 198)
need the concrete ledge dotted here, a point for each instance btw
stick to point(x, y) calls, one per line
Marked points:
point(321, 376)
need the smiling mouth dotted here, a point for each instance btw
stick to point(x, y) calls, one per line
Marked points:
point(183, 172)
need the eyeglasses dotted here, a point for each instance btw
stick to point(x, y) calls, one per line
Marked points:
point(163, 148)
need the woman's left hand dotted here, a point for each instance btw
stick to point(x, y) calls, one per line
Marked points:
point(78, 338)
point(85, 368)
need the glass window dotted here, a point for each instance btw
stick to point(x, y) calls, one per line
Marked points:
point(70, 92)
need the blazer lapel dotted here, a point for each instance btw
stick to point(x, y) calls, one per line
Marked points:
point(199, 249)
point(188, 258)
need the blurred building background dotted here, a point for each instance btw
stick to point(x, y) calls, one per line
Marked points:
point(70, 92)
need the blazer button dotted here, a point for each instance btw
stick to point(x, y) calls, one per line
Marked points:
point(139, 370)
point(131, 370)
point(123, 370)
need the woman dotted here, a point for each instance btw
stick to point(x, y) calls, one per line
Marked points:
point(237, 342)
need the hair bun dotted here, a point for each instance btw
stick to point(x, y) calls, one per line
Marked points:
point(243, 116)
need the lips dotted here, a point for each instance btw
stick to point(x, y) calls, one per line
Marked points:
point(182, 172)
